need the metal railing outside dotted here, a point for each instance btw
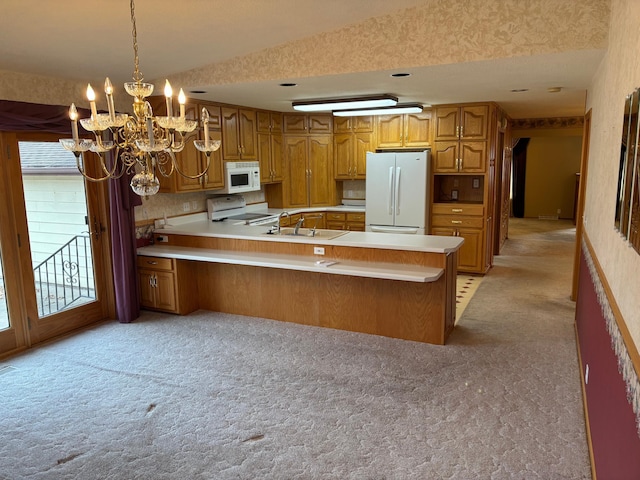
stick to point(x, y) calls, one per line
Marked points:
point(65, 277)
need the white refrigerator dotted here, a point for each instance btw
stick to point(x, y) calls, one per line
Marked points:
point(397, 192)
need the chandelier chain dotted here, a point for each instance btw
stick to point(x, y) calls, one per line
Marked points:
point(137, 76)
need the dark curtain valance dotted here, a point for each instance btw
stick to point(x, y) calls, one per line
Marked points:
point(35, 117)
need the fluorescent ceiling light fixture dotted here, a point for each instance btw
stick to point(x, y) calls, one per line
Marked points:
point(399, 108)
point(370, 101)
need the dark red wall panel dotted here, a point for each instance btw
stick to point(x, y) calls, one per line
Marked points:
point(615, 439)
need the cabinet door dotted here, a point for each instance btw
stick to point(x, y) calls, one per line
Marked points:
point(446, 123)
point(390, 129)
point(230, 138)
point(276, 157)
point(342, 124)
point(470, 255)
point(147, 291)
point(293, 123)
point(264, 157)
point(362, 124)
point(214, 178)
point(247, 133)
point(473, 157)
point(295, 186)
point(321, 179)
point(445, 157)
point(417, 128)
point(320, 124)
point(363, 144)
point(263, 122)
point(474, 122)
point(165, 291)
point(343, 150)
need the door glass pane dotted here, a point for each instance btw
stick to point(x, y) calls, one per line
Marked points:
point(4, 315)
point(56, 206)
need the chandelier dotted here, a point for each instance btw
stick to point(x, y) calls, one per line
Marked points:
point(140, 143)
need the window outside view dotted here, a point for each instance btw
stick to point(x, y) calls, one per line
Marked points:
point(56, 207)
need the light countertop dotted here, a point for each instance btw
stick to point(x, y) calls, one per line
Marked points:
point(200, 226)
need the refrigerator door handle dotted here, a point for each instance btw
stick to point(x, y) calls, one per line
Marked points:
point(390, 191)
point(397, 190)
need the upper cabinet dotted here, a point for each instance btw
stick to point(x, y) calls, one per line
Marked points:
point(239, 134)
point(270, 146)
point(461, 123)
point(307, 124)
point(190, 161)
point(411, 130)
point(362, 124)
point(352, 140)
point(460, 134)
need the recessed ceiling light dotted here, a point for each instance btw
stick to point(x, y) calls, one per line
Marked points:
point(288, 84)
point(198, 91)
point(400, 74)
point(517, 90)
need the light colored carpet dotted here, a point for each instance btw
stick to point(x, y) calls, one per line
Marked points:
point(215, 396)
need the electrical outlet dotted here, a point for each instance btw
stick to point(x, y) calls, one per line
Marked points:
point(318, 250)
point(194, 205)
point(476, 183)
point(185, 207)
point(454, 194)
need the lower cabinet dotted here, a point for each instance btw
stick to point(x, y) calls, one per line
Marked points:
point(468, 222)
point(166, 285)
point(352, 221)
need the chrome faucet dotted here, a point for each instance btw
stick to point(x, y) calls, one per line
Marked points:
point(282, 214)
point(298, 225)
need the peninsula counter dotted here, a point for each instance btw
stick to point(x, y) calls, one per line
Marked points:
point(401, 286)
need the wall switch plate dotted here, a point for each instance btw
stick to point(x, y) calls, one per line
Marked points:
point(318, 250)
point(454, 194)
point(476, 183)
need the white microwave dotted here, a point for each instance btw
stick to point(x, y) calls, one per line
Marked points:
point(241, 177)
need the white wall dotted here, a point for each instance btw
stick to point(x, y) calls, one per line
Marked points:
point(618, 75)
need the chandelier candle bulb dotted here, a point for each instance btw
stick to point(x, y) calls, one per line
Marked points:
point(108, 90)
point(205, 124)
point(73, 115)
point(91, 96)
point(182, 99)
point(168, 92)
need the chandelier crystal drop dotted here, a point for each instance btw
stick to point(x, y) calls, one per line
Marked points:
point(141, 143)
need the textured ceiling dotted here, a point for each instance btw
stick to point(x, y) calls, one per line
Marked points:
point(194, 41)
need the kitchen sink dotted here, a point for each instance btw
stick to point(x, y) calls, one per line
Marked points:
point(307, 232)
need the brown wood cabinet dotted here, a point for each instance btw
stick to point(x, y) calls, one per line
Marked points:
point(352, 221)
point(166, 285)
point(270, 146)
point(412, 130)
point(353, 138)
point(467, 221)
point(460, 134)
point(190, 160)
point(461, 122)
point(307, 124)
point(308, 180)
point(239, 134)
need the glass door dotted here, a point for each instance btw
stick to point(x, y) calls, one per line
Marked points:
point(63, 248)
